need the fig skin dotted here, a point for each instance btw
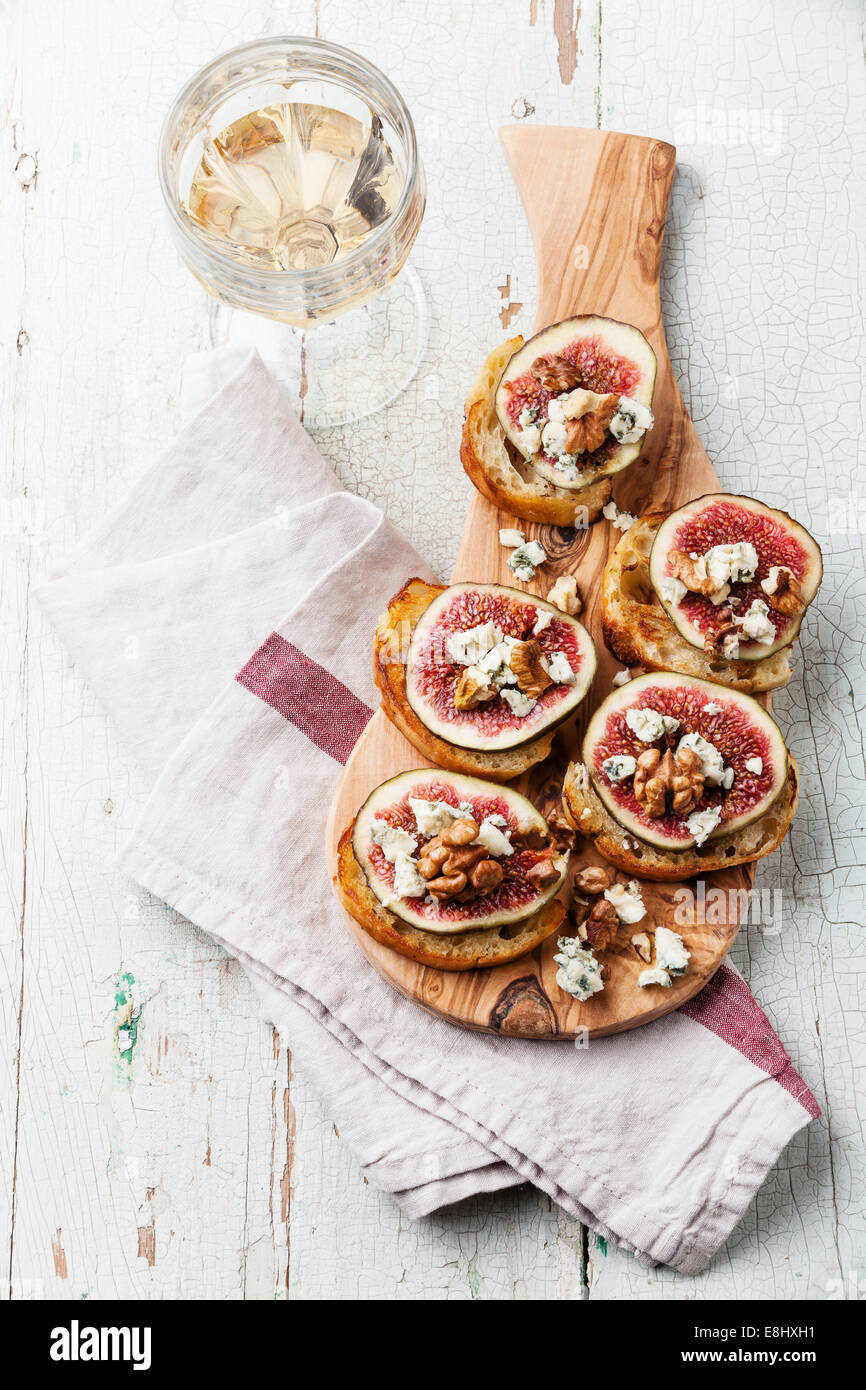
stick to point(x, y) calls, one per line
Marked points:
point(395, 626)
point(658, 832)
point(513, 734)
point(622, 341)
point(451, 865)
point(639, 632)
point(473, 949)
point(661, 553)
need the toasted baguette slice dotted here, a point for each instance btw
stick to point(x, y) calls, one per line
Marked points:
point(639, 632)
point(501, 475)
point(585, 812)
point(390, 646)
point(463, 951)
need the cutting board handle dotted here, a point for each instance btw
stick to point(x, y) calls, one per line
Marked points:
point(596, 202)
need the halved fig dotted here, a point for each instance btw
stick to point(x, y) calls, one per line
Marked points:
point(748, 741)
point(780, 543)
point(519, 893)
point(433, 675)
point(588, 353)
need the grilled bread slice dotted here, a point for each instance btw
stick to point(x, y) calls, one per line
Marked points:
point(391, 644)
point(639, 632)
point(585, 813)
point(463, 951)
point(501, 475)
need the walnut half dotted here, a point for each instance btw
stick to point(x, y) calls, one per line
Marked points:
point(454, 866)
point(684, 568)
point(674, 782)
point(473, 688)
point(723, 636)
point(585, 431)
point(601, 925)
point(782, 588)
point(592, 880)
point(556, 373)
point(530, 668)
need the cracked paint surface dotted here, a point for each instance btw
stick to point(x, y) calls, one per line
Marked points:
point(182, 1156)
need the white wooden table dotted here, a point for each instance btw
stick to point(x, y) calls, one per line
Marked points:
point(155, 1141)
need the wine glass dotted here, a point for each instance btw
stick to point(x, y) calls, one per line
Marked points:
point(290, 170)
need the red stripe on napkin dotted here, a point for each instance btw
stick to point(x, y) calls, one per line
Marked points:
point(306, 694)
point(727, 1007)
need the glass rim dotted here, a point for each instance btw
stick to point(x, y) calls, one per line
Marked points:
point(362, 69)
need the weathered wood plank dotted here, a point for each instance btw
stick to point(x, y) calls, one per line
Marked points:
point(16, 513)
point(150, 1099)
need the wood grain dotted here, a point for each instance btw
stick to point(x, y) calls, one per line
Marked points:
point(596, 203)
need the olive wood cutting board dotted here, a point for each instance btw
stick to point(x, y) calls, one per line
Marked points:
point(596, 203)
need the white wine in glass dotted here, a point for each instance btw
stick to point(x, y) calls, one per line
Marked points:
point(291, 172)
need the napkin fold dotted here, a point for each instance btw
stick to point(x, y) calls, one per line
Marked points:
point(223, 613)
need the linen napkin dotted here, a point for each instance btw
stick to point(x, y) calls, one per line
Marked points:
point(223, 613)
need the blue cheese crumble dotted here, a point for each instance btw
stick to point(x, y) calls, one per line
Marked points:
point(579, 972)
point(671, 590)
point(654, 977)
point(530, 431)
point(619, 767)
point(671, 952)
point(543, 621)
point(468, 647)
point(391, 840)
point(408, 882)
point(509, 536)
point(520, 704)
point(701, 824)
point(649, 725)
point(724, 565)
point(523, 561)
point(712, 763)
point(621, 521)
point(559, 670)
point(494, 839)
point(756, 623)
point(626, 901)
point(631, 421)
point(431, 817)
point(496, 664)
